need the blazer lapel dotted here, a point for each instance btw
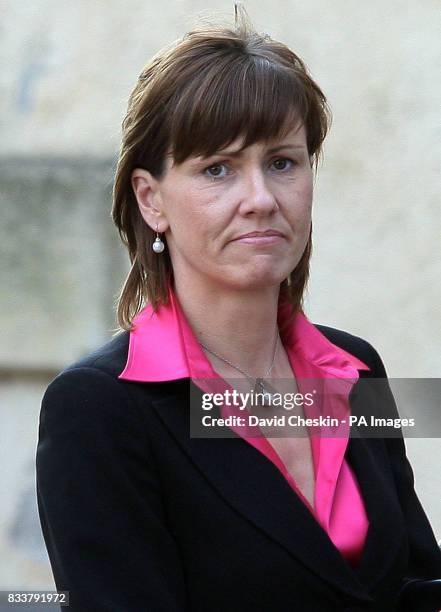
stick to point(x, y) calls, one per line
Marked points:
point(233, 467)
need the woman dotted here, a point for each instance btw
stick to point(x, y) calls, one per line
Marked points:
point(212, 197)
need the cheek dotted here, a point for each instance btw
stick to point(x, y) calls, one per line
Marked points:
point(305, 199)
point(299, 211)
point(296, 193)
point(306, 190)
point(207, 211)
point(194, 221)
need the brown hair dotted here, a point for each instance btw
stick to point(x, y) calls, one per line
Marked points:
point(193, 98)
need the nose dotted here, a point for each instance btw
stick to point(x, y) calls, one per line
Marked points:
point(256, 196)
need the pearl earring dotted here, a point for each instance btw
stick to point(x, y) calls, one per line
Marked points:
point(158, 245)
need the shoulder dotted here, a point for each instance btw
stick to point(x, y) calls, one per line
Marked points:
point(92, 379)
point(110, 358)
point(88, 415)
point(104, 363)
point(360, 348)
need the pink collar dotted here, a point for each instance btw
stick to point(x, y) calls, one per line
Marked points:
point(163, 347)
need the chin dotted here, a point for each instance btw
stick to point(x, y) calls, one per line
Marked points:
point(257, 280)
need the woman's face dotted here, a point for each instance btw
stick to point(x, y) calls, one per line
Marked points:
point(235, 219)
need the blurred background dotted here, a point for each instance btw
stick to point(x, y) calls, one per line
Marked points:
point(67, 71)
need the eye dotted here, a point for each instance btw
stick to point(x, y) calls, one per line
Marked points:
point(283, 163)
point(216, 170)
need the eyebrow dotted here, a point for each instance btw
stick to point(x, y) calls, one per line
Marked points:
point(238, 152)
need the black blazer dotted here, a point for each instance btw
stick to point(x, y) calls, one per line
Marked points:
point(137, 516)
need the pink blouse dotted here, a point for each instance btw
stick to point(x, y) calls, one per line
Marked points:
point(163, 347)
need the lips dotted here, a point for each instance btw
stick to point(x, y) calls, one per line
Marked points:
point(266, 233)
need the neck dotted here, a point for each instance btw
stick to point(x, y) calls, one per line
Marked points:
point(240, 326)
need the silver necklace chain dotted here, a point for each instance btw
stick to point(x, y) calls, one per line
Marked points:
point(236, 367)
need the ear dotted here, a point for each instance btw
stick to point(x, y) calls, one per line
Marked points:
point(146, 189)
